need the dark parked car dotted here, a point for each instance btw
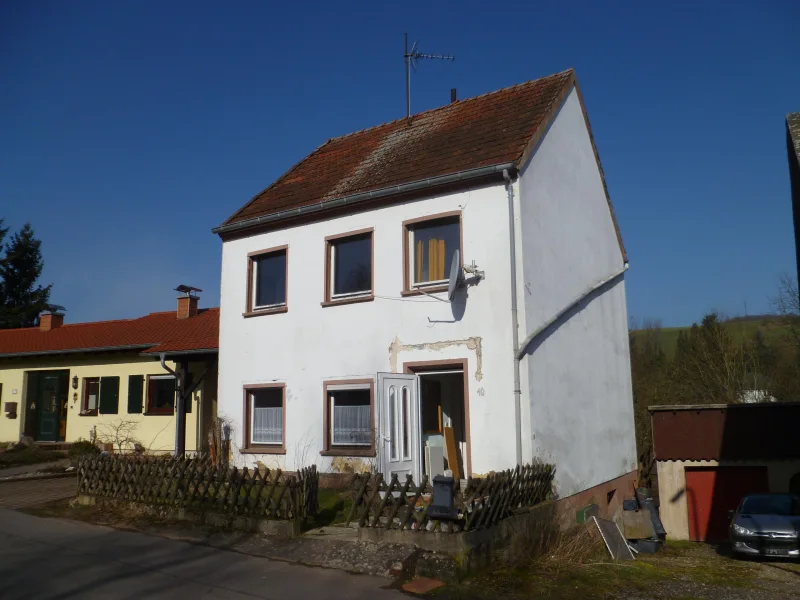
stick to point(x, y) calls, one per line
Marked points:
point(766, 525)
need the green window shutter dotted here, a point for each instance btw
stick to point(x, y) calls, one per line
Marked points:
point(109, 395)
point(135, 393)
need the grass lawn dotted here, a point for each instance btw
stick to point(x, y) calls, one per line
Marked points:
point(28, 456)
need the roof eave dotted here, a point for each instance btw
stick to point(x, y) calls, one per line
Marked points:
point(75, 351)
point(414, 186)
point(168, 353)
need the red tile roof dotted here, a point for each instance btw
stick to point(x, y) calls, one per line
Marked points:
point(153, 333)
point(487, 130)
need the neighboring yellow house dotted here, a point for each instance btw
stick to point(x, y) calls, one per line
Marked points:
point(105, 380)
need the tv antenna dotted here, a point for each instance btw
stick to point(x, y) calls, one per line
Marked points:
point(411, 58)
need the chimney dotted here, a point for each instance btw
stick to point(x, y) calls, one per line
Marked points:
point(187, 301)
point(50, 320)
point(452, 95)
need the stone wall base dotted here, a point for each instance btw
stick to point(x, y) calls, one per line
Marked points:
point(285, 529)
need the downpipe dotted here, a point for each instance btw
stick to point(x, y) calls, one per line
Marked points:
point(180, 412)
point(514, 317)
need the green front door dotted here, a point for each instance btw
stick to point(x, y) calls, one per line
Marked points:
point(48, 406)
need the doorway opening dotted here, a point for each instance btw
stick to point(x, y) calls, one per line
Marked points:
point(444, 417)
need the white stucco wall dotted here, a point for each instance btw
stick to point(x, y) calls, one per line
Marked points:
point(578, 378)
point(310, 344)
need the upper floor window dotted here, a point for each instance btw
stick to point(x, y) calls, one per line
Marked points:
point(429, 246)
point(267, 276)
point(348, 267)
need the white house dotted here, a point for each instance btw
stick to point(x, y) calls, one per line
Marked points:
point(338, 344)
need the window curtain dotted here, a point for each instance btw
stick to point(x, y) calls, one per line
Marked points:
point(352, 424)
point(268, 425)
point(436, 258)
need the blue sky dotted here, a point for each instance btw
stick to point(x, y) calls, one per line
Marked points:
point(128, 130)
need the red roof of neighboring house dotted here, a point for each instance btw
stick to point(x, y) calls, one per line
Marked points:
point(153, 333)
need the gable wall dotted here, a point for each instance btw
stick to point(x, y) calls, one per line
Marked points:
point(579, 398)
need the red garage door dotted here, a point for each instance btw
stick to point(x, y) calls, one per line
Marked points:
point(711, 492)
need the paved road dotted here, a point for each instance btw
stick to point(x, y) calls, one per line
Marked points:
point(18, 494)
point(60, 559)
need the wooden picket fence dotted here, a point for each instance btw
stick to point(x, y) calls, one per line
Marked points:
point(482, 502)
point(195, 483)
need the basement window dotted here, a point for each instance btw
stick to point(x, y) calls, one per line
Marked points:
point(348, 269)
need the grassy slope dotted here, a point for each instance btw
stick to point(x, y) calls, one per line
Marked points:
point(772, 327)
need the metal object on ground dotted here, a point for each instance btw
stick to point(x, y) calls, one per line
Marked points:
point(615, 542)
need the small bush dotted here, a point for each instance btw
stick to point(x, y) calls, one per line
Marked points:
point(82, 448)
point(27, 456)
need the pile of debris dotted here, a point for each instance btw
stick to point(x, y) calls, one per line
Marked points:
point(635, 529)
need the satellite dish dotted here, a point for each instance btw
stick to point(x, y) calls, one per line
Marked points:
point(456, 275)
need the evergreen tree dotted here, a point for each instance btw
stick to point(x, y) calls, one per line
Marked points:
point(21, 299)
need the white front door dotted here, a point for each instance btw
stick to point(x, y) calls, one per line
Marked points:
point(399, 430)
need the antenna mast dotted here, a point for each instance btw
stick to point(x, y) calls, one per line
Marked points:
point(411, 58)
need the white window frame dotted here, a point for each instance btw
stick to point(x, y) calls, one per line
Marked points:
point(332, 269)
point(412, 254)
point(254, 283)
point(251, 393)
point(331, 403)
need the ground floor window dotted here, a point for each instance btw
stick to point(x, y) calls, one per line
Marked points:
point(161, 394)
point(349, 417)
point(91, 395)
point(265, 418)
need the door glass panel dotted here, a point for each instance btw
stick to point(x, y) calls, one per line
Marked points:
point(392, 423)
point(49, 395)
point(405, 423)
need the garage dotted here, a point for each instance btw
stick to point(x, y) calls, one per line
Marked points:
point(711, 492)
point(708, 456)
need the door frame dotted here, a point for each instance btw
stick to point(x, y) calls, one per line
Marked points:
point(415, 434)
point(38, 375)
point(445, 365)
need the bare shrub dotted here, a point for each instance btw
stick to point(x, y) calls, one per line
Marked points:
point(218, 442)
point(121, 433)
point(549, 539)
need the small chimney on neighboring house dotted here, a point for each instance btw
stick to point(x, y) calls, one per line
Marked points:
point(187, 301)
point(50, 319)
point(452, 95)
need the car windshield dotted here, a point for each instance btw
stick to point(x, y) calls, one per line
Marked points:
point(777, 504)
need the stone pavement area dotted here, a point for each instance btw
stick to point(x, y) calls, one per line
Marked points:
point(24, 493)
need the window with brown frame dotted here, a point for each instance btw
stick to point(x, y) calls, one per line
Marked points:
point(265, 419)
point(160, 394)
point(429, 246)
point(348, 267)
point(267, 274)
point(91, 395)
point(349, 418)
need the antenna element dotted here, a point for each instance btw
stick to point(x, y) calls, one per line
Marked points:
point(412, 58)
